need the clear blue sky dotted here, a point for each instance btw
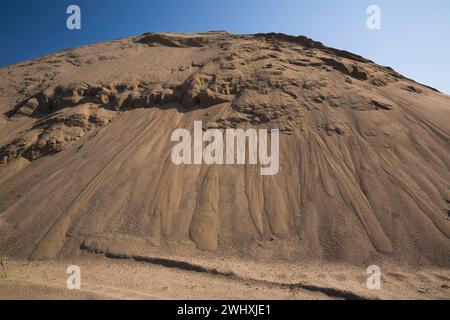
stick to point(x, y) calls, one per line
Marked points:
point(414, 39)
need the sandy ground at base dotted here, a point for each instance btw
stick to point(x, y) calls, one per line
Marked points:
point(103, 278)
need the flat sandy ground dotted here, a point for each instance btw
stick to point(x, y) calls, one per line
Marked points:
point(87, 168)
point(103, 278)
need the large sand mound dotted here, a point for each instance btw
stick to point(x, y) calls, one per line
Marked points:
point(85, 150)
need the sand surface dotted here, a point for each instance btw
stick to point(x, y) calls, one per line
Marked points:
point(168, 278)
point(86, 169)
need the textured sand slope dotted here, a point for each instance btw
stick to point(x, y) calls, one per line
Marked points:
point(85, 145)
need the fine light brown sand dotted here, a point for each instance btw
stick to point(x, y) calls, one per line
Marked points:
point(212, 278)
point(86, 169)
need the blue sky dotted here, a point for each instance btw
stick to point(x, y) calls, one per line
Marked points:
point(414, 38)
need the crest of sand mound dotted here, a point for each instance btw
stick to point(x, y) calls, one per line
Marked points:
point(86, 153)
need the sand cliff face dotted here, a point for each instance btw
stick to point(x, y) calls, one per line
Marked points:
point(85, 150)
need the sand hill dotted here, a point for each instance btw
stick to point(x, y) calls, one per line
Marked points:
point(85, 150)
